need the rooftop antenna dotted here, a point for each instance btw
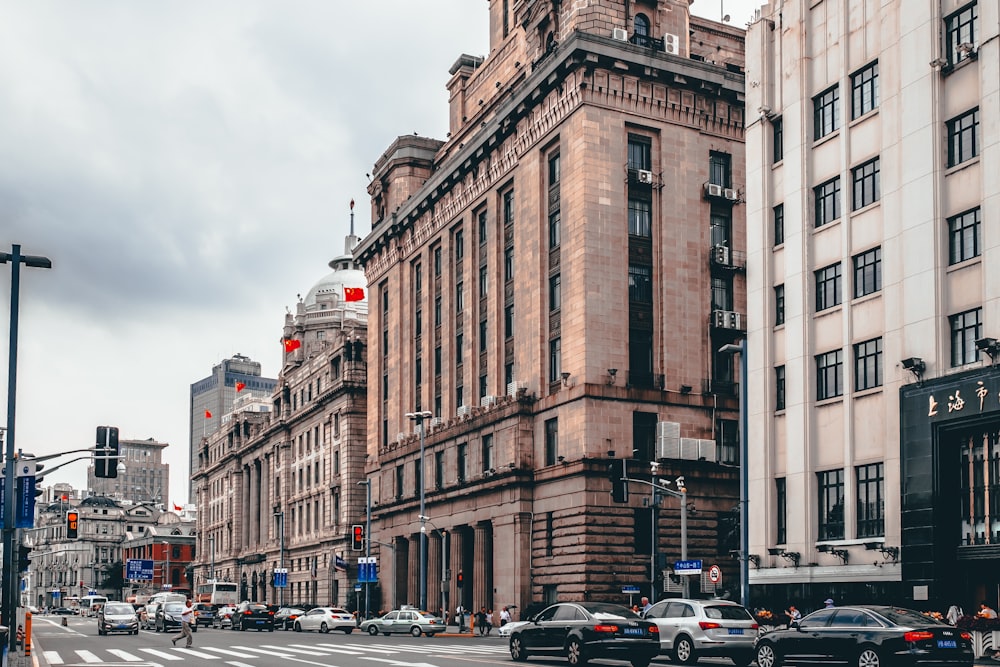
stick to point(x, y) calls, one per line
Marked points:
point(352, 217)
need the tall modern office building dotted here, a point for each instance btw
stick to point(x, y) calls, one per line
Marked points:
point(550, 285)
point(874, 281)
point(214, 396)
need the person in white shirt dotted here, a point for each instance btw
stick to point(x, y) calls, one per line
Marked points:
point(187, 615)
point(504, 617)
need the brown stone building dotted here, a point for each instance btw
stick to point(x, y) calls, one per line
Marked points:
point(552, 283)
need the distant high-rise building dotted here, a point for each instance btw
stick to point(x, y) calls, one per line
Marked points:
point(213, 397)
point(142, 475)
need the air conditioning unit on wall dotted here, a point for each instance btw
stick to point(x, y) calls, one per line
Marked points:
point(713, 190)
point(671, 44)
point(721, 254)
point(644, 176)
point(620, 34)
point(730, 194)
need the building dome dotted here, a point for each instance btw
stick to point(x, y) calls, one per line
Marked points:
point(331, 287)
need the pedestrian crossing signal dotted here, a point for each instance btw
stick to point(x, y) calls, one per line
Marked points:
point(72, 525)
point(460, 579)
point(357, 537)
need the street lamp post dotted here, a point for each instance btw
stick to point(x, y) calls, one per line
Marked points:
point(280, 514)
point(444, 562)
point(741, 350)
point(9, 594)
point(211, 551)
point(420, 417)
point(368, 540)
point(166, 570)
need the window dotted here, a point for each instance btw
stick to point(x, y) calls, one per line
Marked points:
point(827, 196)
point(459, 297)
point(779, 305)
point(960, 30)
point(639, 153)
point(864, 90)
point(483, 282)
point(437, 311)
point(439, 469)
point(554, 229)
point(963, 134)
point(551, 441)
point(400, 478)
point(437, 361)
point(640, 284)
point(483, 384)
point(871, 502)
point(777, 139)
point(459, 244)
point(508, 208)
point(720, 170)
point(483, 228)
point(828, 292)
point(831, 505)
point(508, 264)
point(487, 443)
point(461, 462)
point(868, 364)
point(418, 277)
point(779, 388)
point(418, 477)
point(555, 359)
point(826, 112)
point(437, 261)
point(644, 435)
point(866, 184)
point(722, 293)
point(779, 224)
point(458, 349)
point(508, 321)
point(829, 375)
point(555, 292)
point(720, 224)
point(868, 272)
point(964, 236)
point(640, 34)
point(966, 329)
point(640, 217)
point(781, 509)
point(555, 169)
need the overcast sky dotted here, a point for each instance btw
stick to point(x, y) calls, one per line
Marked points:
point(187, 166)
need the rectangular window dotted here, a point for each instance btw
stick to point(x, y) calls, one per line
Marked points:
point(483, 328)
point(828, 291)
point(487, 443)
point(437, 311)
point(640, 284)
point(779, 305)
point(508, 321)
point(720, 223)
point(549, 533)
point(437, 361)
point(459, 358)
point(418, 277)
point(781, 510)
point(400, 479)
point(866, 184)
point(555, 292)
point(640, 217)
point(642, 536)
point(964, 236)
point(722, 293)
point(461, 463)
point(868, 364)
point(639, 153)
point(826, 112)
point(551, 441)
point(779, 388)
point(778, 140)
point(779, 224)
point(963, 137)
point(483, 383)
point(459, 244)
point(508, 208)
point(966, 329)
point(644, 435)
point(437, 262)
point(484, 282)
point(554, 230)
point(827, 196)
point(960, 33)
point(871, 500)
point(483, 227)
point(418, 323)
point(439, 469)
point(555, 169)
point(864, 90)
point(867, 272)
point(508, 264)
point(720, 170)
point(555, 359)
point(459, 297)
point(418, 477)
point(829, 375)
point(831, 504)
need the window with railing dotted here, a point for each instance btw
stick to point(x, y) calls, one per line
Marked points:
point(640, 283)
point(960, 33)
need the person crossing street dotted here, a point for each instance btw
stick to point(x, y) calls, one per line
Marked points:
point(187, 615)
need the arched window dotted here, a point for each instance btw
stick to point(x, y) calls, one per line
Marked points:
point(640, 35)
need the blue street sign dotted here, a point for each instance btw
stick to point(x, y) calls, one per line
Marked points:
point(281, 577)
point(24, 502)
point(687, 567)
point(357, 588)
point(137, 568)
point(368, 570)
point(630, 590)
point(56, 594)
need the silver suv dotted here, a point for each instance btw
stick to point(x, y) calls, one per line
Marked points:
point(690, 629)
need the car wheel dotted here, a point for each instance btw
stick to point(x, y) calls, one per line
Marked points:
point(372, 630)
point(517, 652)
point(348, 631)
point(684, 651)
point(324, 628)
point(415, 631)
point(574, 653)
point(297, 627)
point(271, 629)
point(869, 657)
point(767, 656)
point(743, 659)
point(386, 634)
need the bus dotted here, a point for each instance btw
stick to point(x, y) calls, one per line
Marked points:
point(218, 592)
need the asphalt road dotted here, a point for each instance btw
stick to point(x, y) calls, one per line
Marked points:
point(78, 645)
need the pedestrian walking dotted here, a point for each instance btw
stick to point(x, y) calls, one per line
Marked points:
point(828, 603)
point(460, 615)
point(187, 615)
point(489, 621)
point(645, 604)
point(481, 620)
point(504, 617)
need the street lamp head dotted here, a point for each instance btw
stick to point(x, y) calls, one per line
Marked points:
point(423, 517)
point(419, 416)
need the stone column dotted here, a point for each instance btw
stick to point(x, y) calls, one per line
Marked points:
point(245, 507)
point(434, 571)
point(254, 505)
point(482, 567)
point(458, 595)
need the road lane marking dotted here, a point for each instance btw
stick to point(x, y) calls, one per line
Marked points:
point(271, 653)
point(125, 655)
point(53, 657)
point(226, 651)
point(87, 656)
point(236, 663)
point(198, 654)
point(161, 654)
point(299, 651)
point(339, 650)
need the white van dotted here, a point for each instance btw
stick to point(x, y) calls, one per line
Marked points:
point(91, 604)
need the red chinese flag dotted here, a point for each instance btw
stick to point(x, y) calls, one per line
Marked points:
point(354, 293)
point(292, 344)
point(208, 415)
point(240, 386)
point(177, 508)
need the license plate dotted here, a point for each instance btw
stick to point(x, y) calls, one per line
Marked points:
point(947, 643)
point(736, 631)
point(122, 626)
point(261, 621)
point(637, 632)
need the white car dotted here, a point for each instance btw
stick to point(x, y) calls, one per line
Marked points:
point(508, 627)
point(325, 619)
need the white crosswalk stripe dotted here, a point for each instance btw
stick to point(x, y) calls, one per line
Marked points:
point(276, 654)
point(125, 655)
point(226, 651)
point(197, 654)
point(337, 650)
point(87, 656)
point(236, 663)
point(303, 651)
point(163, 655)
point(52, 657)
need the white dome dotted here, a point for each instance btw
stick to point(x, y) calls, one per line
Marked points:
point(331, 287)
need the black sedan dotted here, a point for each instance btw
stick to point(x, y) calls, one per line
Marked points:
point(866, 636)
point(284, 617)
point(253, 616)
point(584, 630)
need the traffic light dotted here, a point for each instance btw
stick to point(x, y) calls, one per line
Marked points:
point(72, 525)
point(357, 537)
point(617, 472)
point(23, 558)
point(106, 456)
point(459, 579)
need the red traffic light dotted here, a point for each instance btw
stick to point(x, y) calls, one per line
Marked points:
point(357, 537)
point(72, 524)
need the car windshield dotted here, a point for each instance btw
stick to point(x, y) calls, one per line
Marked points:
point(257, 607)
point(605, 610)
point(173, 607)
point(728, 612)
point(118, 610)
